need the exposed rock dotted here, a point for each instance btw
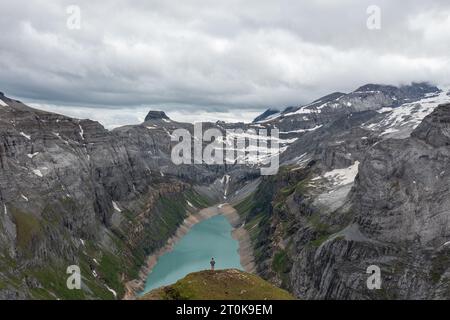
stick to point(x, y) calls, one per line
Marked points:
point(156, 115)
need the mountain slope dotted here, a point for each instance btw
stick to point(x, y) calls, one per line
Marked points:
point(73, 193)
point(229, 284)
point(321, 222)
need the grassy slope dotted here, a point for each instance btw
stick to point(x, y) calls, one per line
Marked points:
point(230, 284)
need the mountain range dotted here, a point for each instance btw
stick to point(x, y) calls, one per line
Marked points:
point(364, 180)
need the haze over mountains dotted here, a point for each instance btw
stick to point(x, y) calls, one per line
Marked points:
point(364, 181)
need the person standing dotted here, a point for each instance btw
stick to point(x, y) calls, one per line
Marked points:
point(212, 263)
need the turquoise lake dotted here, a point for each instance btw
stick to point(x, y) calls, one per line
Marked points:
point(207, 239)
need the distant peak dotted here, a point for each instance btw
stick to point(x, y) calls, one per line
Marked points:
point(156, 115)
point(269, 112)
point(375, 87)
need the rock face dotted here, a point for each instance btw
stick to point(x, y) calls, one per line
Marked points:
point(265, 115)
point(397, 217)
point(351, 196)
point(156, 115)
point(72, 192)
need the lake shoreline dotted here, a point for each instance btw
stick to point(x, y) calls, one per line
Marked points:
point(239, 233)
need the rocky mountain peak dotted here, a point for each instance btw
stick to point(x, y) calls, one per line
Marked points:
point(435, 128)
point(265, 115)
point(156, 115)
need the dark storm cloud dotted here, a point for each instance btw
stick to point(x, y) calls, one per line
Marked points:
point(216, 55)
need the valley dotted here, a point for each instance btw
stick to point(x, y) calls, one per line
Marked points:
point(363, 180)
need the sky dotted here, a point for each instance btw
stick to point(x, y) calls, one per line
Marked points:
point(204, 60)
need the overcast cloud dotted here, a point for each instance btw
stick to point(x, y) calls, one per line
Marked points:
point(217, 56)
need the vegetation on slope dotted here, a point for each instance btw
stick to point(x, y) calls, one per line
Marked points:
point(230, 284)
point(106, 263)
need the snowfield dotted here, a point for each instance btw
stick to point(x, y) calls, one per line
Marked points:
point(401, 121)
point(342, 177)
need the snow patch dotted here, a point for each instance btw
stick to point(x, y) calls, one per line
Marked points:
point(116, 207)
point(81, 131)
point(3, 103)
point(190, 204)
point(38, 173)
point(111, 290)
point(25, 135)
point(343, 177)
point(302, 130)
point(408, 116)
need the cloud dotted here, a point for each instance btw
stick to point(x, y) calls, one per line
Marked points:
point(194, 55)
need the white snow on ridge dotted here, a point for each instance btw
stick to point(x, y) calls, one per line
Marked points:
point(304, 110)
point(302, 130)
point(409, 115)
point(3, 103)
point(270, 118)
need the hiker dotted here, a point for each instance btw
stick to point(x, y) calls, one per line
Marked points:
point(212, 263)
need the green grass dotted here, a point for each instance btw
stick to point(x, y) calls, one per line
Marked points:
point(245, 206)
point(281, 263)
point(110, 270)
point(228, 284)
point(318, 242)
point(317, 224)
point(28, 229)
point(55, 281)
point(439, 265)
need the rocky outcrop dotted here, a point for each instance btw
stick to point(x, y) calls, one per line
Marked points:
point(265, 115)
point(156, 115)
